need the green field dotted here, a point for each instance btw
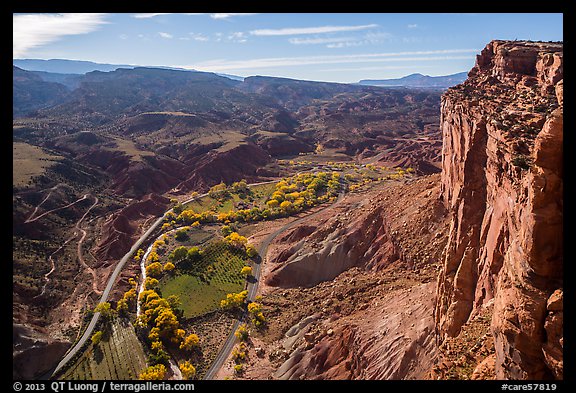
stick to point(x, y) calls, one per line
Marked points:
point(257, 198)
point(218, 274)
point(119, 356)
point(195, 237)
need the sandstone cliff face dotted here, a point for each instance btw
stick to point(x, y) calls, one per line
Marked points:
point(502, 182)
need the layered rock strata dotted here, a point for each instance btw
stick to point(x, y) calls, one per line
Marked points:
point(502, 182)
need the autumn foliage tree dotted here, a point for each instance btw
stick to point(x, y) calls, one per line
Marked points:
point(190, 342)
point(96, 337)
point(153, 373)
point(187, 369)
point(234, 300)
point(236, 240)
point(105, 311)
point(251, 251)
point(255, 310)
point(154, 269)
point(246, 271)
point(242, 332)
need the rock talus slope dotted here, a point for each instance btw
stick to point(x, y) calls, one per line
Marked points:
point(502, 182)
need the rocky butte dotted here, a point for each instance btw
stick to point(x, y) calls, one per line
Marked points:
point(502, 183)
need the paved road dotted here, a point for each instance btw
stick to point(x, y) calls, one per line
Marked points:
point(253, 287)
point(112, 280)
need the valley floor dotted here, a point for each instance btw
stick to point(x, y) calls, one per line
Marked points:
point(373, 321)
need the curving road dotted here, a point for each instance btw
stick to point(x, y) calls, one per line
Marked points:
point(253, 287)
point(112, 280)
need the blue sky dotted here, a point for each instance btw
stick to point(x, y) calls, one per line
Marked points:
point(343, 47)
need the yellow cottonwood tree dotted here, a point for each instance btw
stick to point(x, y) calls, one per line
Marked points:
point(153, 373)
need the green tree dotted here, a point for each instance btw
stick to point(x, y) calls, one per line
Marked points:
point(179, 254)
point(174, 302)
point(240, 187)
point(178, 208)
point(181, 235)
point(226, 230)
point(194, 254)
point(159, 358)
point(219, 191)
point(251, 250)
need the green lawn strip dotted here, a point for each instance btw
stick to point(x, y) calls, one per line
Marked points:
point(196, 297)
point(195, 237)
point(203, 204)
point(260, 194)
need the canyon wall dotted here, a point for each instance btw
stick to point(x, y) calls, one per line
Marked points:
point(502, 182)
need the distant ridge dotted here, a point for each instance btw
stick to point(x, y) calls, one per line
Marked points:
point(64, 66)
point(419, 80)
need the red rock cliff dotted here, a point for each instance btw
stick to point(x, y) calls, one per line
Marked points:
point(502, 182)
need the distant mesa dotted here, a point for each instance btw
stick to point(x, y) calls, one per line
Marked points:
point(419, 81)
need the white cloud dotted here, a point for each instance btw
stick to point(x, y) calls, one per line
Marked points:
point(199, 37)
point(237, 37)
point(165, 35)
point(148, 15)
point(226, 16)
point(378, 37)
point(319, 41)
point(412, 26)
point(346, 44)
point(224, 65)
point(343, 42)
point(123, 36)
point(34, 30)
point(309, 30)
point(152, 15)
point(213, 16)
point(377, 68)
